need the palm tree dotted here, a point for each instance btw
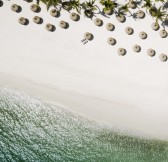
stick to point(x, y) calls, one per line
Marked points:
point(72, 4)
point(158, 14)
point(75, 4)
point(66, 5)
point(148, 4)
point(124, 9)
point(89, 8)
point(49, 3)
point(152, 10)
point(109, 6)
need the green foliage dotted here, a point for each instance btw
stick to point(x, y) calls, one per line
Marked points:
point(124, 9)
point(75, 4)
point(49, 3)
point(108, 4)
point(158, 14)
point(90, 6)
point(148, 4)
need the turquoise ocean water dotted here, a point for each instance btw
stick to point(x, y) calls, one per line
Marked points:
point(35, 131)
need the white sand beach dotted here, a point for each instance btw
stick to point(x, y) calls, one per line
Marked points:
point(128, 91)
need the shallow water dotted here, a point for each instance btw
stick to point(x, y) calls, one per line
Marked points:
point(35, 131)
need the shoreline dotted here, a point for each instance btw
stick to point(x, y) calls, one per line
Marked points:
point(121, 116)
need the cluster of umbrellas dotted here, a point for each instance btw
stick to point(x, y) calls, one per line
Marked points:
point(98, 22)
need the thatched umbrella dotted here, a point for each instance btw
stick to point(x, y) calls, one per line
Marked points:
point(15, 8)
point(140, 14)
point(155, 26)
point(54, 13)
point(74, 16)
point(129, 30)
point(23, 21)
point(132, 4)
point(37, 19)
point(110, 27)
point(163, 33)
point(122, 51)
point(63, 24)
point(49, 27)
point(143, 35)
point(35, 8)
point(163, 57)
point(98, 22)
point(121, 18)
point(151, 52)
point(136, 48)
point(88, 36)
point(111, 41)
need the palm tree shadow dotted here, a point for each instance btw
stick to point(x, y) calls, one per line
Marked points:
point(165, 6)
point(103, 14)
point(138, 2)
point(134, 16)
point(165, 24)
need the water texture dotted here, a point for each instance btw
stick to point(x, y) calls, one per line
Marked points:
point(35, 131)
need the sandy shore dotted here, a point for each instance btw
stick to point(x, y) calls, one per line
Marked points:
point(129, 92)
